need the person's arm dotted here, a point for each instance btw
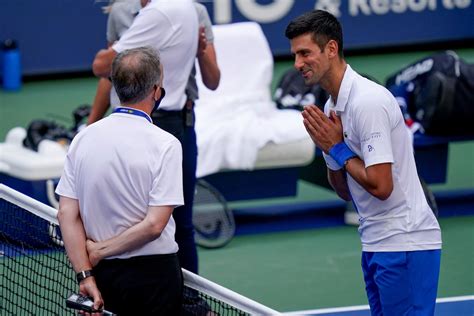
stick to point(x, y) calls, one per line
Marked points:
point(74, 237)
point(207, 60)
point(327, 132)
point(375, 179)
point(102, 96)
point(102, 64)
point(337, 177)
point(148, 229)
point(338, 180)
point(101, 101)
point(148, 28)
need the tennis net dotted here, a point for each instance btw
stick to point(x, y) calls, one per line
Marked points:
point(36, 276)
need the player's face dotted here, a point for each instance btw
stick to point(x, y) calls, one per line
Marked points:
point(309, 59)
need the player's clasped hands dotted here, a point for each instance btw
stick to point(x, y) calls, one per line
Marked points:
point(324, 131)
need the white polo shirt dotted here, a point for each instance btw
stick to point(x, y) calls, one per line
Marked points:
point(116, 168)
point(374, 129)
point(171, 26)
point(120, 18)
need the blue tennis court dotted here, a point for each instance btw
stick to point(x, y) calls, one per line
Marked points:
point(460, 306)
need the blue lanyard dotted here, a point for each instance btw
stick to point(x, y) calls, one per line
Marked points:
point(133, 112)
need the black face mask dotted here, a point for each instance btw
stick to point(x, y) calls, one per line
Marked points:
point(157, 103)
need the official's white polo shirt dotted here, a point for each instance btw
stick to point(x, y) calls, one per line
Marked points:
point(374, 129)
point(171, 26)
point(116, 168)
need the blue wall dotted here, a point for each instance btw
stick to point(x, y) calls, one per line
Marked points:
point(366, 23)
point(64, 35)
point(54, 35)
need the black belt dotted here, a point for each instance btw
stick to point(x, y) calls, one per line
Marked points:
point(164, 113)
point(186, 113)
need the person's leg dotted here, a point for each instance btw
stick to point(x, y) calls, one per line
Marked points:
point(392, 278)
point(407, 281)
point(107, 275)
point(184, 215)
point(371, 289)
point(424, 274)
point(147, 285)
point(153, 286)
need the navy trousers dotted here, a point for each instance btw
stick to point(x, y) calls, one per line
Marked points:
point(178, 123)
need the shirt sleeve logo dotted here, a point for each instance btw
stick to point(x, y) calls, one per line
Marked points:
point(370, 148)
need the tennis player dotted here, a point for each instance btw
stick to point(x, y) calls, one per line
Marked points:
point(370, 161)
point(121, 181)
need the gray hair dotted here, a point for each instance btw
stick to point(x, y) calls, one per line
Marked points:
point(134, 73)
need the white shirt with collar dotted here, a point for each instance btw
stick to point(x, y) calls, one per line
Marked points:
point(171, 26)
point(116, 168)
point(120, 18)
point(374, 129)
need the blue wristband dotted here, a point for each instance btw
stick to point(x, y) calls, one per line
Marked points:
point(341, 153)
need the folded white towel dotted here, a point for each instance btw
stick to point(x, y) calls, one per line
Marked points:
point(239, 118)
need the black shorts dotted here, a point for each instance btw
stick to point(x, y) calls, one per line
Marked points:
point(144, 285)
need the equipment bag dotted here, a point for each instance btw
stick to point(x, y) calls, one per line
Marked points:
point(438, 92)
point(293, 93)
point(40, 129)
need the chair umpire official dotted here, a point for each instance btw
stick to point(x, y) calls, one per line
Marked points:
point(121, 181)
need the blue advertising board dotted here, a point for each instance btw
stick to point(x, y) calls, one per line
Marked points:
point(366, 23)
point(64, 35)
point(54, 36)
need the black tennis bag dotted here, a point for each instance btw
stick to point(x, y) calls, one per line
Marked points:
point(40, 129)
point(439, 93)
point(293, 93)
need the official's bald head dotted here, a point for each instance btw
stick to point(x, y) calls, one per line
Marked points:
point(135, 72)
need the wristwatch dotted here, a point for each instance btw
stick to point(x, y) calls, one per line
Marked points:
point(83, 275)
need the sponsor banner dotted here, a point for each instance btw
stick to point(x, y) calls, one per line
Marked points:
point(366, 23)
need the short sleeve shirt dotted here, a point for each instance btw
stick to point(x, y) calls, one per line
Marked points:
point(116, 168)
point(374, 129)
point(172, 28)
point(120, 18)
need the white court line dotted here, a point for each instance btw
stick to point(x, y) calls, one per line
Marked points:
point(366, 307)
point(455, 299)
point(330, 310)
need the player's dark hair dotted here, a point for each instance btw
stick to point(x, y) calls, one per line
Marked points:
point(135, 72)
point(322, 25)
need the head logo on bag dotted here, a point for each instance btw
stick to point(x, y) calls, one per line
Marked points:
point(437, 92)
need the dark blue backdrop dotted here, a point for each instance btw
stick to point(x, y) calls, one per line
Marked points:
point(54, 35)
point(64, 35)
point(364, 25)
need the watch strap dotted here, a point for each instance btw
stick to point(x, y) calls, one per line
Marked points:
point(83, 275)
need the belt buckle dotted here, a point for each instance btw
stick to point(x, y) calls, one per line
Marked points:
point(189, 113)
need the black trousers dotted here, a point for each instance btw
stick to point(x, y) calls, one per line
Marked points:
point(181, 125)
point(145, 285)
